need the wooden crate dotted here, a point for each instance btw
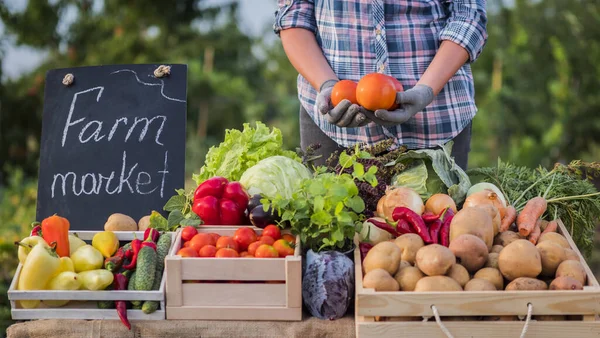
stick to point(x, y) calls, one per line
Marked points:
point(410, 314)
point(201, 288)
point(83, 304)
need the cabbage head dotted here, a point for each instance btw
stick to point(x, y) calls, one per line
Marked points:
point(274, 175)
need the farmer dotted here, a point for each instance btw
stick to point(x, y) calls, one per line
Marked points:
point(427, 45)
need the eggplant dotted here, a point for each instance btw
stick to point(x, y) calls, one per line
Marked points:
point(254, 202)
point(261, 218)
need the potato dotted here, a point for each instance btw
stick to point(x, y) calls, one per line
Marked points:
point(478, 284)
point(380, 280)
point(437, 283)
point(144, 223)
point(492, 261)
point(409, 244)
point(571, 255)
point(496, 248)
point(408, 277)
point(552, 255)
point(120, 222)
point(556, 238)
point(402, 265)
point(526, 284)
point(491, 275)
point(470, 251)
point(494, 214)
point(474, 221)
point(434, 259)
point(566, 283)
point(572, 269)
point(520, 259)
point(384, 255)
point(506, 237)
point(459, 274)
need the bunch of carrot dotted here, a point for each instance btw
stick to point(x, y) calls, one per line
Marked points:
point(529, 221)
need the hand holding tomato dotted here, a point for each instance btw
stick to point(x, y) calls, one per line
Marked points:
point(410, 103)
point(336, 100)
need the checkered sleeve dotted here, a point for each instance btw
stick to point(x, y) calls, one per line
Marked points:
point(466, 26)
point(295, 14)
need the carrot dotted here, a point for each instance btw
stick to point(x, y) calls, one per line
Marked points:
point(535, 234)
point(551, 227)
point(534, 209)
point(509, 218)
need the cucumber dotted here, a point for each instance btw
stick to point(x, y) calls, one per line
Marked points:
point(145, 269)
point(106, 304)
point(126, 246)
point(136, 304)
point(162, 249)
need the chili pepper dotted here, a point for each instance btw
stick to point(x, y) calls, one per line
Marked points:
point(149, 243)
point(430, 217)
point(364, 249)
point(396, 228)
point(434, 230)
point(153, 233)
point(136, 245)
point(115, 262)
point(129, 253)
point(414, 220)
point(56, 229)
point(120, 283)
point(220, 202)
point(36, 229)
point(445, 230)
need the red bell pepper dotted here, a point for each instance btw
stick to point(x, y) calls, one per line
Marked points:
point(56, 229)
point(149, 243)
point(220, 202)
point(136, 245)
point(36, 229)
point(153, 233)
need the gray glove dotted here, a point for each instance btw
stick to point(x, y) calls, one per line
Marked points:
point(345, 114)
point(411, 102)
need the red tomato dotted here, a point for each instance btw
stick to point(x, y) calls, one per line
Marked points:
point(187, 252)
point(272, 231)
point(227, 242)
point(186, 244)
point(208, 251)
point(226, 253)
point(290, 238)
point(344, 89)
point(244, 236)
point(267, 239)
point(215, 236)
point(266, 251)
point(188, 233)
point(399, 88)
point(246, 254)
point(253, 246)
point(376, 91)
point(283, 248)
point(201, 240)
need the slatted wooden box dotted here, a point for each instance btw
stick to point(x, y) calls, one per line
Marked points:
point(83, 304)
point(233, 288)
point(410, 314)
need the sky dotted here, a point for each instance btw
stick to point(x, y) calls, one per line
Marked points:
point(255, 15)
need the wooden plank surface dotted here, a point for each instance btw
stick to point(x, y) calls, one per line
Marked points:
point(83, 312)
point(261, 269)
point(219, 295)
point(174, 293)
point(293, 282)
point(482, 303)
point(234, 313)
point(488, 329)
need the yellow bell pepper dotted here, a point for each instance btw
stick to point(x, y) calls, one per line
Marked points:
point(106, 242)
point(95, 279)
point(41, 263)
point(24, 250)
point(87, 258)
point(66, 280)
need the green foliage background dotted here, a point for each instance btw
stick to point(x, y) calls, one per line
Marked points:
point(537, 84)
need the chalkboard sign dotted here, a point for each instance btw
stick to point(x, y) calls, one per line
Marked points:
point(113, 141)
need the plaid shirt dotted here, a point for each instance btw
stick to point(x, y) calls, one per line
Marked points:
point(398, 38)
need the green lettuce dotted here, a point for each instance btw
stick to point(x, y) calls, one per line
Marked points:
point(241, 150)
point(432, 171)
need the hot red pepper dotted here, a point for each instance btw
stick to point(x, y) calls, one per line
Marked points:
point(445, 231)
point(149, 243)
point(396, 229)
point(136, 245)
point(414, 220)
point(120, 283)
point(115, 262)
point(220, 202)
point(129, 253)
point(153, 233)
point(364, 249)
point(36, 229)
point(434, 230)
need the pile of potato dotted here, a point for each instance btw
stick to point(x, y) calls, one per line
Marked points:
point(479, 258)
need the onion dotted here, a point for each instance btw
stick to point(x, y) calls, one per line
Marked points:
point(438, 202)
point(486, 196)
point(487, 186)
point(373, 234)
point(399, 197)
